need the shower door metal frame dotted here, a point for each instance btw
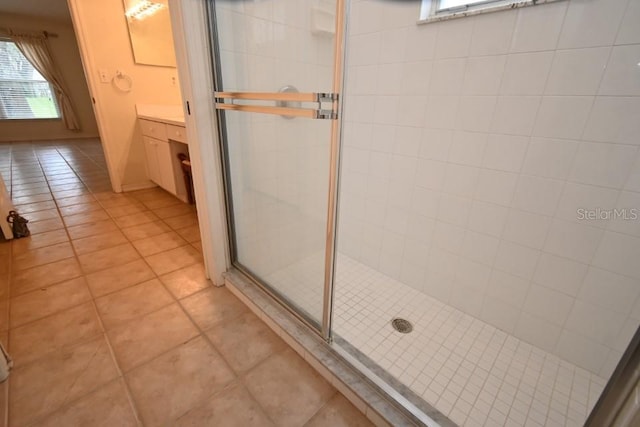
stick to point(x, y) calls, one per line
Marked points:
point(324, 328)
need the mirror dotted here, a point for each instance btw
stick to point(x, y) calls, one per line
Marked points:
point(150, 32)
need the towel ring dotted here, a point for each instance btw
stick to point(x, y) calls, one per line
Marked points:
point(122, 77)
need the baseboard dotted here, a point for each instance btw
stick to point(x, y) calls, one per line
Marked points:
point(138, 186)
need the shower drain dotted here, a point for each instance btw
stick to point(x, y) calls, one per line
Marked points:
point(402, 325)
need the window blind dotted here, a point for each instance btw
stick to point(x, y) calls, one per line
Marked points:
point(24, 93)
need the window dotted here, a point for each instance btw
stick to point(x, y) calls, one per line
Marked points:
point(456, 4)
point(435, 10)
point(24, 93)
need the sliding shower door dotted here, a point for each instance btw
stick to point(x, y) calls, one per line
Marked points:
point(277, 79)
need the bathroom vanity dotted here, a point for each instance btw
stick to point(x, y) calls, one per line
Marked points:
point(164, 136)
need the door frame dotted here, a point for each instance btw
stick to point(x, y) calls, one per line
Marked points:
point(195, 69)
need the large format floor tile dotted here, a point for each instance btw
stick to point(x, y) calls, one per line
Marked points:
point(288, 389)
point(192, 371)
point(111, 321)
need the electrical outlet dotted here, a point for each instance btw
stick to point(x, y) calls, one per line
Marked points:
point(173, 80)
point(105, 76)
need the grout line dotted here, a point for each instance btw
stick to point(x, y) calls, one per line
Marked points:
point(101, 325)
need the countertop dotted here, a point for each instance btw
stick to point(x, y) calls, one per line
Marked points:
point(169, 114)
point(170, 120)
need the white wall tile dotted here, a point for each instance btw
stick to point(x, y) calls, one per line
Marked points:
point(475, 113)
point(550, 158)
point(492, 33)
point(614, 119)
point(591, 23)
point(436, 144)
point(454, 38)
point(622, 75)
point(447, 76)
point(627, 219)
point(441, 112)
point(526, 73)
point(526, 228)
point(596, 322)
point(483, 75)
point(416, 77)
point(382, 137)
point(548, 304)
point(442, 262)
point(480, 247)
point(517, 259)
point(537, 330)
point(454, 210)
point(537, 195)
point(625, 334)
point(389, 79)
point(385, 110)
point(468, 148)
point(391, 254)
point(629, 31)
point(577, 199)
point(365, 18)
point(487, 218)
point(608, 165)
point(473, 275)
point(420, 42)
point(365, 49)
point(562, 116)
point(633, 183)
point(618, 252)
point(515, 115)
point(430, 174)
point(448, 237)
point(508, 288)
point(466, 299)
point(392, 43)
point(538, 28)
point(425, 202)
point(461, 180)
point(505, 152)
point(577, 71)
point(578, 242)
point(585, 353)
point(421, 228)
point(609, 290)
point(496, 186)
point(411, 111)
point(499, 314)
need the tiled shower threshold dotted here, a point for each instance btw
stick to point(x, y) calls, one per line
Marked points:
point(373, 399)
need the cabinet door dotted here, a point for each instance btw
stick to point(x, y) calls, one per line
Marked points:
point(152, 159)
point(165, 166)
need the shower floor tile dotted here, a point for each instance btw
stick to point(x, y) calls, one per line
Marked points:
point(471, 371)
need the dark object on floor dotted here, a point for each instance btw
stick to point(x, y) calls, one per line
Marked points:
point(185, 164)
point(18, 224)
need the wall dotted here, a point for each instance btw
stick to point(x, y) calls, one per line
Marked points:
point(104, 43)
point(469, 146)
point(65, 52)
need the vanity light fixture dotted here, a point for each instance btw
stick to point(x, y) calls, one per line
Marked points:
point(143, 9)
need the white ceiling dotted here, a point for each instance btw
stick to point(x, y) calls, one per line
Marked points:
point(56, 10)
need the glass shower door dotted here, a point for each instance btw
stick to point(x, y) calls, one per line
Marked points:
point(277, 106)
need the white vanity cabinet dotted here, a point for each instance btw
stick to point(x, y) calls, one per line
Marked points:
point(162, 143)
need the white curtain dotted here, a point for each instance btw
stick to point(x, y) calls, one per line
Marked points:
point(36, 50)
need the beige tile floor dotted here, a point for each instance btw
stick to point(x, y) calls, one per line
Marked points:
point(110, 320)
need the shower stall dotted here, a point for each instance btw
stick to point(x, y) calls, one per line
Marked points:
point(451, 196)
